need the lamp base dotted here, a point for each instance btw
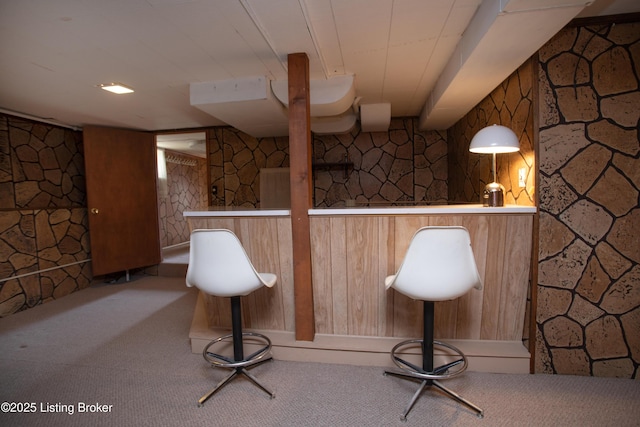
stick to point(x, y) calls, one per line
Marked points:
point(493, 195)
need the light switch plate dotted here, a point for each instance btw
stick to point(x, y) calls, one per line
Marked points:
point(522, 177)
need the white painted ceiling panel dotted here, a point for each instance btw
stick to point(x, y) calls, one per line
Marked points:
point(459, 16)
point(417, 20)
point(485, 53)
point(363, 32)
point(319, 15)
point(295, 36)
point(405, 52)
point(257, 53)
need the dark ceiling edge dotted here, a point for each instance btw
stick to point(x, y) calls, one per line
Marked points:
point(609, 19)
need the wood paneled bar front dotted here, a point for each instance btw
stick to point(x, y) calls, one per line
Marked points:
point(357, 321)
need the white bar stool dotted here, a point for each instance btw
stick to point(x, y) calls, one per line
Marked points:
point(219, 266)
point(439, 265)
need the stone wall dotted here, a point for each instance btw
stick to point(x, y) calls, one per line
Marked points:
point(186, 190)
point(510, 105)
point(402, 166)
point(235, 161)
point(44, 239)
point(588, 315)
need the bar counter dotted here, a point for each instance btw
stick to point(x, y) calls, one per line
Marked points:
point(357, 321)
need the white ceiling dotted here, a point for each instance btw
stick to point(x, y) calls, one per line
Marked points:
point(192, 143)
point(429, 58)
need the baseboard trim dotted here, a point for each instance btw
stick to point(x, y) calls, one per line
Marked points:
point(483, 355)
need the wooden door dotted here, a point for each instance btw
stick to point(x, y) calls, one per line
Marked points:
point(120, 167)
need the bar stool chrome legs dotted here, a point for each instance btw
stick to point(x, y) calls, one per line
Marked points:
point(239, 364)
point(428, 374)
point(219, 266)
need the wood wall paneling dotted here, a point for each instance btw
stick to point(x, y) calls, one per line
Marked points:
point(267, 242)
point(493, 277)
point(352, 292)
point(352, 255)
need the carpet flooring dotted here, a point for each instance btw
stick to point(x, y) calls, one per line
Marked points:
point(119, 355)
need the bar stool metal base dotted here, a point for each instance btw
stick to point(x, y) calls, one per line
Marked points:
point(238, 365)
point(411, 371)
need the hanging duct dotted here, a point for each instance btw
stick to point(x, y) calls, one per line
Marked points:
point(375, 117)
point(245, 103)
point(334, 124)
point(330, 97)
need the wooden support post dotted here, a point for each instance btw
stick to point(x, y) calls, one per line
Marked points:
point(301, 193)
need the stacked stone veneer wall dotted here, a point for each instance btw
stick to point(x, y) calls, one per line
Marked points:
point(186, 190)
point(235, 160)
point(510, 105)
point(44, 239)
point(588, 314)
point(399, 166)
point(403, 165)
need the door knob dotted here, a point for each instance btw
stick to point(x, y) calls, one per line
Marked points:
point(95, 211)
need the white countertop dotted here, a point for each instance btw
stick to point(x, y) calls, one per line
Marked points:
point(230, 211)
point(425, 210)
point(227, 211)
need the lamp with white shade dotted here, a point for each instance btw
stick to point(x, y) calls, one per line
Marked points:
point(492, 140)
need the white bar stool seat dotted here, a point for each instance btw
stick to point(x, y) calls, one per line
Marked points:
point(439, 265)
point(219, 266)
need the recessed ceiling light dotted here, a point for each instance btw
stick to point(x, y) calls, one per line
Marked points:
point(118, 88)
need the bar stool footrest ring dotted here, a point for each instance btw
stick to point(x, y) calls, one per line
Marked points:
point(441, 372)
point(220, 361)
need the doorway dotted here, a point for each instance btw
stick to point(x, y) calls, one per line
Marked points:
point(182, 185)
point(121, 199)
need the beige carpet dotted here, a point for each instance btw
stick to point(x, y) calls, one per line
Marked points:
point(126, 346)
